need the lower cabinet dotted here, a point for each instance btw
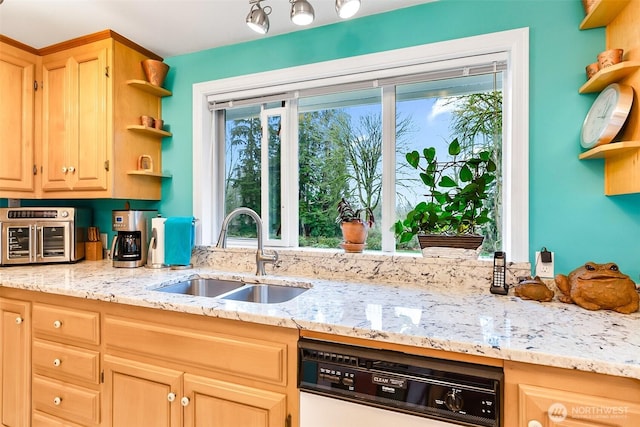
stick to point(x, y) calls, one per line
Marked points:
point(143, 394)
point(139, 394)
point(537, 396)
point(15, 363)
point(211, 372)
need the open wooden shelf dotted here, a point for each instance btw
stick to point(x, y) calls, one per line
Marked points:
point(149, 130)
point(149, 88)
point(610, 150)
point(603, 13)
point(621, 161)
point(608, 75)
point(148, 173)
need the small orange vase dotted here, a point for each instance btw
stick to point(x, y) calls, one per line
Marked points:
point(156, 71)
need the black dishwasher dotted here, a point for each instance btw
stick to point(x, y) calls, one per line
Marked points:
point(454, 392)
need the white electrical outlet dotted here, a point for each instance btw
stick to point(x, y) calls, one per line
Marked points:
point(545, 269)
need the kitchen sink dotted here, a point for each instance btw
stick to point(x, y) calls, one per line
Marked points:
point(202, 287)
point(265, 294)
point(235, 290)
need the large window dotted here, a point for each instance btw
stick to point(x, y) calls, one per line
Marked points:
point(291, 150)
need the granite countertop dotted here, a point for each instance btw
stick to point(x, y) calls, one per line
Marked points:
point(463, 320)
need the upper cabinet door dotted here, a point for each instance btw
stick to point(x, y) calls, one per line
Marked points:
point(17, 78)
point(55, 124)
point(75, 119)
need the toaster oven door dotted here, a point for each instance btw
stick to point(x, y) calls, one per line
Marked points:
point(18, 243)
point(54, 242)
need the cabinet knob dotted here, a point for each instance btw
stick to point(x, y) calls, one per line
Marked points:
point(56, 362)
point(534, 423)
point(19, 320)
point(64, 169)
point(185, 401)
point(171, 397)
point(72, 169)
point(57, 324)
point(57, 401)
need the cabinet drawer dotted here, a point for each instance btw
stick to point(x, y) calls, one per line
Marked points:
point(67, 401)
point(241, 356)
point(66, 324)
point(43, 420)
point(65, 362)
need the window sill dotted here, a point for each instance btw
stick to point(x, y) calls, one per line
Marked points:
point(367, 267)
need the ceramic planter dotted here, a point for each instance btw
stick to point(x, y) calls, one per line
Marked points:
point(354, 234)
point(466, 241)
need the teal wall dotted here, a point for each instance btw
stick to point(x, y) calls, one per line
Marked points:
point(569, 213)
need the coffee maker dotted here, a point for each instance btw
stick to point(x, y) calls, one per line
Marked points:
point(130, 244)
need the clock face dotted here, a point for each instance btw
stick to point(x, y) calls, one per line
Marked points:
point(607, 115)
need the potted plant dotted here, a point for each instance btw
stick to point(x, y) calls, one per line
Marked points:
point(355, 224)
point(456, 200)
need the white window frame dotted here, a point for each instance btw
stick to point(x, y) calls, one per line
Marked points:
point(418, 59)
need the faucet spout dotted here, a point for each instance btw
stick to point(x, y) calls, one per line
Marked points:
point(261, 257)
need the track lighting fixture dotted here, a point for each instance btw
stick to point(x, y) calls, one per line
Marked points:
point(258, 17)
point(301, 12)
point(347, 8)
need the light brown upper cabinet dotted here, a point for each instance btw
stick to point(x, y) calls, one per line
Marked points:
point(85, 109)
point(17, 127)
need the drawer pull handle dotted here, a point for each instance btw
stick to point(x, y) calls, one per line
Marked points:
point(56, 362)
point(57, 401)
point(57, 324)
point(171, 397)
point(534, 423)
point(18, 320)
point(184, 401)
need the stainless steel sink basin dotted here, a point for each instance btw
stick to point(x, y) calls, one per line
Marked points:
point(202, 287)
point(264, 294)
point(235, 290)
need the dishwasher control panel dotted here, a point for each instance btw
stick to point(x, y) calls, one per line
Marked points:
point(463, 393)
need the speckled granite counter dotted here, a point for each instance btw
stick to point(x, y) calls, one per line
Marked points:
point(465, 318)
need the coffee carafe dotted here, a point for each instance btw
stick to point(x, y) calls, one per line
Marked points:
point(130, 244)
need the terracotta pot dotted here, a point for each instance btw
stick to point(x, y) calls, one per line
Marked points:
point(609, 57)
point(467, 241)
point(147, 121)
point(592, 69)
point(156, 71)
point(588, 5)
point(354, 232)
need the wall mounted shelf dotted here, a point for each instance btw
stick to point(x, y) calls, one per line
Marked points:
point(603, 13)
point(621, 171)
point(148, 87)
point(149, 130)
point(609, 75)
point(153, 174)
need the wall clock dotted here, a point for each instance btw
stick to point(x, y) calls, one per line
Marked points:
point(607, 115)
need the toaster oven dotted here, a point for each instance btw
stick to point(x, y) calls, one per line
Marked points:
point(42, 235)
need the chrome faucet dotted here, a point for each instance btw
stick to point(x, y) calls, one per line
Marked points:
point(261, 257)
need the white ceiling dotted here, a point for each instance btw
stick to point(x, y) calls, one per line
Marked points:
point(166, 27)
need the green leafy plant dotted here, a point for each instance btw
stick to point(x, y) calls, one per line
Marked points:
point(346, 213)
point(456, 196)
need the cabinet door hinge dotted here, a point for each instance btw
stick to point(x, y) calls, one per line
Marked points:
point(106, 71)
point(35, 169)
point(35, 85)
point(106, 165)
point(287, 421)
